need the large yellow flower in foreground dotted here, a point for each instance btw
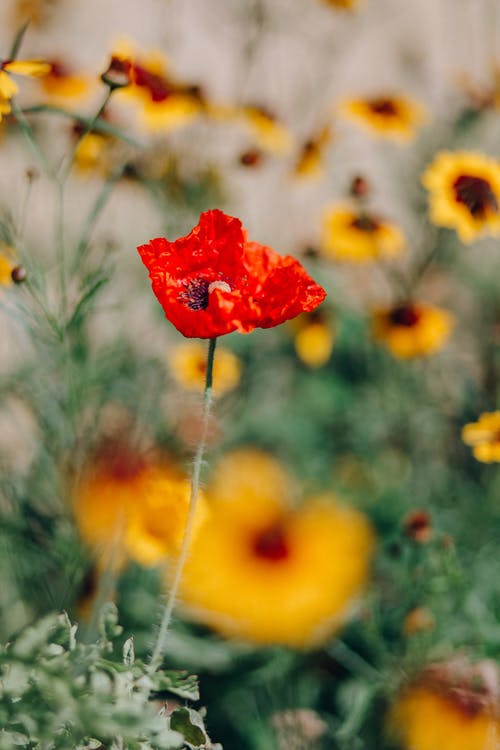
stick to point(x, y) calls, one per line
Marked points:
point(8, 87)
point(450, 708)
point(387, 116)
point(350, 234)
point(127, 506)
point(484, 437)
point(464, 193)
point(412, 330)
point(188, 363)
point(262, 571)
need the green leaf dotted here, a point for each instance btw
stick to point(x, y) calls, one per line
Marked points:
point(179, 683)
point(190, 724)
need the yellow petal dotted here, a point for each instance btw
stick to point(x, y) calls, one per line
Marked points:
point(28, 67)
point(8, 88)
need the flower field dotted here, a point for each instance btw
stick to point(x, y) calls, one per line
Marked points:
point(249, 398)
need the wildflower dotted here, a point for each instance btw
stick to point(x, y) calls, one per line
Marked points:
point(484, 437)
point(118, 74)
point(163, 102)
point(310, 159)
point(342, 4)
point(214, 281)
point(352, 234)
point(464, 193)
point(7, 264)
point(269, 134)
point(188, 363)
point(131, 506)
point(418, 527)
point(413, 329)
point(61, 83)
point(386, 116)
point(277, 575)
point(451, 706)
point(314, 339)
point(8, 87)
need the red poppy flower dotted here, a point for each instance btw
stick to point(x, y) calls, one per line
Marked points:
point(213, 281)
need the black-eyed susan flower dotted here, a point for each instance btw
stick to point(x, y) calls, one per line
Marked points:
point(314, 338)
point(162, 102)
point(276, 574)
point(349, 233)
point(62, 83)
point(128, 506)
point(451, 706)
point(464, 193)
point(484, 437)
point(266, 130)
point(8, 87)
point(413, 329)
point(386, 116)
point(310, 159)
point(188, 364)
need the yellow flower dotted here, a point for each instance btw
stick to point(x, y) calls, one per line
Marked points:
point(484, 437)
point(8, 87)
point(464, 193)
point(342, 4)
point(269, 134)
point(61, 84)
point(6, 264)
point(93, 153)
point(262, 571)
point(355, 235)
point(449, 708)
point(310, 161)
point(127, 506)
point(163, 103)
point(412, 330)
point(314, 339)
point(188, 363)
point(393, 117)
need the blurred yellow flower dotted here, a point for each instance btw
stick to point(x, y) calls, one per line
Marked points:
point(393, 117)
point(188, 364)
point(268, 133)
point(7, 264)
point(449, 708)
point(355, 235)
point(412, 330)
point(314, 339)
point(127, 506)
point(262, 571)
point(342, 4)
point(8, 87)
point(464, 193)
point(484, 437)
point(93, 153)
point(310, 160)
point(61, 84)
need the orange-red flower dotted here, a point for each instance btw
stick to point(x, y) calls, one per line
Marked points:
point(214, 281)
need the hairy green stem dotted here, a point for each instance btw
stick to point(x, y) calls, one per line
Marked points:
point(159, 648)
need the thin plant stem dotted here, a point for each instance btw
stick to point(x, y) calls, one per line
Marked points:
point(86, 130)
point(159, 647)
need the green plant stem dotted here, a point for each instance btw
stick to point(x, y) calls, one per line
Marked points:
point(159, 647)
point(89, 126)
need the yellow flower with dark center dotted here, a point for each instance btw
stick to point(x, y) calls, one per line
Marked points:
point(310, 160)
point(61, 83)
point(464, 193)
point(314, 338)
point(269, 134)
point(450, 707)
point(412, 330)
point(263, 571)
point(130, 507)
point(387, 116)
point(354, 235)
point(8, 87)
point(484, 437)
point(188, 364)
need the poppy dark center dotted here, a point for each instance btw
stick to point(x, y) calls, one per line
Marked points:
point(159, 87)
point(476, 194)
point(383, 107)
point(406, 316)
point(271, 544)
point(197, 292)
point(365, 223)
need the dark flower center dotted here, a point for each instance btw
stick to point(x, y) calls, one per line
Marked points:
point(197, 292)
point(406, 315)
point(159, 87)
point(383, 107)
point(271, 544)
point(365, 223)
point(476, 194)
